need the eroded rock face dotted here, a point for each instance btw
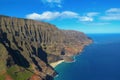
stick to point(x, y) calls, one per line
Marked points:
point(30, 46)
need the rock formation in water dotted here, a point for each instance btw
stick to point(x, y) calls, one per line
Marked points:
point(27, 48)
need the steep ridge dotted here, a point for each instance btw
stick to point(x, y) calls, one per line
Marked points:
point(27, 48)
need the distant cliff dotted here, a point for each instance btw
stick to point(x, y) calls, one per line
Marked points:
point(27, 48)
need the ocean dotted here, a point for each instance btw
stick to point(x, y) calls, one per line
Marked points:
point(98, 61)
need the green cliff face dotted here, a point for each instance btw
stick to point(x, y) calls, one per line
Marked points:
point(27, 47)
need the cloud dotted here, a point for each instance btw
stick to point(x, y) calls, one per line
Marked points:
point(112, 14)
point(110, 17)
point(86, 19)
point(48, 15)
point(52, 15)
point(97, 23)
point(92, 14)
point(53, 3)
point(69, 14)
point(44, 16)
point(89, 17)
point(111, 10)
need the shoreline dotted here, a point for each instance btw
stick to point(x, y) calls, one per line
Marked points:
point(54, 64)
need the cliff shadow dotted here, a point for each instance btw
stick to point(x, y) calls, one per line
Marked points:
point(36, 63)
point(48, 77)
point(40, 53)
point(17, 57)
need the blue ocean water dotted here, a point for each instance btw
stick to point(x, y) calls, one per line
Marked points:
point(98, 61)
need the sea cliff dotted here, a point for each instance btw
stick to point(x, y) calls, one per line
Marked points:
point(27, 48)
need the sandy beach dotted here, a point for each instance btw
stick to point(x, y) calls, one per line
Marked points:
point(54, 64)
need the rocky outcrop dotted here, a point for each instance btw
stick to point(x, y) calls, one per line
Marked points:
point(28, 46)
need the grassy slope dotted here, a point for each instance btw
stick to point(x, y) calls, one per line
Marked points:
point(19, 73)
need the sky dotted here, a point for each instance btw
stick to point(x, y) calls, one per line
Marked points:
point(88, 16)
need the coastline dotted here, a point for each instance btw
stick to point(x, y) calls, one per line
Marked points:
point(54, 64)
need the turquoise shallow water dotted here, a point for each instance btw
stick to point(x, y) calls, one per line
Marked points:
point(98, 61)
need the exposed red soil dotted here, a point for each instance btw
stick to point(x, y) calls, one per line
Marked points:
point(8, 77)
point(35, 77)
